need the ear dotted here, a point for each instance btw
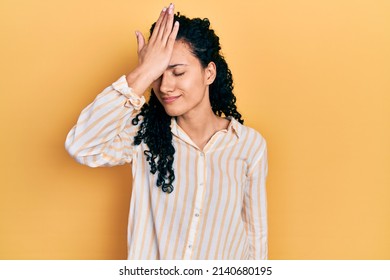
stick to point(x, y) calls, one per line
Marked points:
point(210, 73)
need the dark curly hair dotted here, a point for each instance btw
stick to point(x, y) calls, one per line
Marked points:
point(155, 126)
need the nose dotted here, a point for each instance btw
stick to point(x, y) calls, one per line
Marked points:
point(166, 83)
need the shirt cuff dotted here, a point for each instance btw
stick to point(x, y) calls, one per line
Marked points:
point(133, 100)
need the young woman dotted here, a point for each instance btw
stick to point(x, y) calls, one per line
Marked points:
point(199, 175)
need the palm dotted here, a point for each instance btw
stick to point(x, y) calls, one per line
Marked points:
point(156, 54)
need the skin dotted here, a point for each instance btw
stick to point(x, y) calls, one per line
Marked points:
point(178, 79)
point(183, 87)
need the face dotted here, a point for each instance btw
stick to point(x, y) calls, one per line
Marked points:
point(183, 89)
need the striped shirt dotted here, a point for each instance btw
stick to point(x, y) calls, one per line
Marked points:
point(218, 207)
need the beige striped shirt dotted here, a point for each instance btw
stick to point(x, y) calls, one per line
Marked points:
point(218, 207)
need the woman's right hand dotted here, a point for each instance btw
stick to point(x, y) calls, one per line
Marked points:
point(154, 57)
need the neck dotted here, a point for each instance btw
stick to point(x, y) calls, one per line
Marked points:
point(202, 127)
point(199, 126)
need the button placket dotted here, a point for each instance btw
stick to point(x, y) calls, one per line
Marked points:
point(194, 225)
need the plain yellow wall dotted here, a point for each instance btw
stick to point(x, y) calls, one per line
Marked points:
point(312, 76)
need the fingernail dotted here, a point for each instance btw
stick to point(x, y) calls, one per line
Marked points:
point(170, 8)
point(164, 9)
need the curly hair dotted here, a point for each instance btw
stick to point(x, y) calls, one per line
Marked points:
point(155, 126)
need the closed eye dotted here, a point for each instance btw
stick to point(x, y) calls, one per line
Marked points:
point(178, 74)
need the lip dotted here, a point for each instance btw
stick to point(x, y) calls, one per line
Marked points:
point(170, 99)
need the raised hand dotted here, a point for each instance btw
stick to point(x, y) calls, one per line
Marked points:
point(154, 57)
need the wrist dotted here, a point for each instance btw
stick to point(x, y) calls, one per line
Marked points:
point(139, 80)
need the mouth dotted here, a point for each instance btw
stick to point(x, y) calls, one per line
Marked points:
point(170, 99)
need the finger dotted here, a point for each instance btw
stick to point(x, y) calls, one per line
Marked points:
point(163, 24)
point(158, 25)
point(173, 35)
point(169, 24)
point(140, 40)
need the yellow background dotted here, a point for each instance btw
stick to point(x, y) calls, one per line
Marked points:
point(312, 76)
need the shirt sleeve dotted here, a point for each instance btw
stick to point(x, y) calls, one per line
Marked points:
point(103, 134)
point(255, 208)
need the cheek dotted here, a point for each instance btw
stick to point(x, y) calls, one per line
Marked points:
point(190, 83)
point(156, 85)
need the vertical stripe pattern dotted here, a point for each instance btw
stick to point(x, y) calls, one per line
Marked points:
point(218, 209)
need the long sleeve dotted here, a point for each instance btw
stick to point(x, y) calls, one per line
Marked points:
point(255, 207)
point(103, 134)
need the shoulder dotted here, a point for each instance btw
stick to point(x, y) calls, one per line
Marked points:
point(254, 142)
point(250, 136)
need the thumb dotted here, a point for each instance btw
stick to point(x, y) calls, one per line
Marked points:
point(140, 40)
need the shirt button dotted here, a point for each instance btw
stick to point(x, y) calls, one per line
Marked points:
point(201, 154)
point(201, 184)
point(190, 246)
point(196, 215)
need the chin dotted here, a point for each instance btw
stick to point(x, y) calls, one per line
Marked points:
point(175, 110)
point(173, 113)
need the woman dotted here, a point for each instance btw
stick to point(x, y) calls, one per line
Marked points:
point(198, 173)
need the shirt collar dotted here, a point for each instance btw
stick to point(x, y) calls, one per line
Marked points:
point(233, 126)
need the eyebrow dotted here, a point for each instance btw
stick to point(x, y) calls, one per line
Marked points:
point(174, 65)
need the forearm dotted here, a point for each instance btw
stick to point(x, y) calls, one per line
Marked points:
point(102, 133)
point(255, 209)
